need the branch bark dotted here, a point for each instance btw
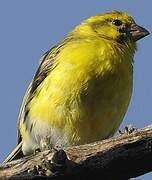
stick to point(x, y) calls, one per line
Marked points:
point(122, 157)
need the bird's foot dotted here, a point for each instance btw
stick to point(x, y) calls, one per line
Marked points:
point(45, 144)
point(128, 129)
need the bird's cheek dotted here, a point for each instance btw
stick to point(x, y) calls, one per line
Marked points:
point(123, 37)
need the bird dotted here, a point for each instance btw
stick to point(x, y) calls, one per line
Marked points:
point(83, 86)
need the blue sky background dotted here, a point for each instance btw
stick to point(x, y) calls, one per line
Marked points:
point(29, 28)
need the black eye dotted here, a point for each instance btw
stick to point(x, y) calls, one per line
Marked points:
point(117, 22)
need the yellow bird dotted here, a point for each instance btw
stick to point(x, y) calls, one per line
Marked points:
point(83, 86)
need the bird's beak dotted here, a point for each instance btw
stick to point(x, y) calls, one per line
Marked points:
point(138, 32)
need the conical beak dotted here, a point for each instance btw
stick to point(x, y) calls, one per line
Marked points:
point(138, 32)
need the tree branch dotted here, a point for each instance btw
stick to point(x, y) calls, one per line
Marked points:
point(121, 157)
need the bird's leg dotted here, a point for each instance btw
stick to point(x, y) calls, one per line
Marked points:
point(45, 144)
point(58, 161)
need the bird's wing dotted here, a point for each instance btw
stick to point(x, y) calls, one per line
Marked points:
point(17, 152)
point(47, 63)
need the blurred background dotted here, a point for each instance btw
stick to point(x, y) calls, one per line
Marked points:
point(29, 28)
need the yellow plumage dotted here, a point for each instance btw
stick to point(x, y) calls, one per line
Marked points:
point(83, 86)
point(80, 93)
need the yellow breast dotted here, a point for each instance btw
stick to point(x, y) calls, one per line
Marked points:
point(85, 97)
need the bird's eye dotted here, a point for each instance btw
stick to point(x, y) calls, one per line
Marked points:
point(117, 22)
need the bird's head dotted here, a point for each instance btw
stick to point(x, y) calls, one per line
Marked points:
point(116, 26)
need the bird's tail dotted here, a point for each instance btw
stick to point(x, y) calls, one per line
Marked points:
point(15, 154)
